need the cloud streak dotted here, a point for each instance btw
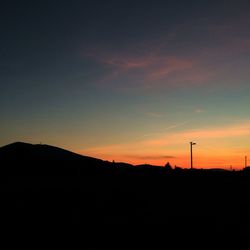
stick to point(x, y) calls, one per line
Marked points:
point(168, 128)
point(150, 69)
point(206, 133)
point(160, 63)
point(150, 157)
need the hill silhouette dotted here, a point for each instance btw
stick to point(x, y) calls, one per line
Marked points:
point(39, 152)
point(34, 156)
point(44, 186)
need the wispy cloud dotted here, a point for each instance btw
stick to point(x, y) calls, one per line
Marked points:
point(149, 157)
point(237, 130)
point(149, 69)
point(165, 66)
point(177, 125)
point(126, 62)
point(155, 114)
point(199, 110)
point(157, 64)
point(163, 131)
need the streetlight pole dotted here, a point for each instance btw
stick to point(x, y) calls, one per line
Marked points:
point(191, 153)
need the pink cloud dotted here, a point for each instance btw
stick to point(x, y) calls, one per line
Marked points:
point(199, 110)
point(155, 114)
point(153, 68)
point(126, 63)
point(163, 67)
point(155, 65)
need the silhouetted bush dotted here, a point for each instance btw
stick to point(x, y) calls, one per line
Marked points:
point(177, 168)
point(168, 166)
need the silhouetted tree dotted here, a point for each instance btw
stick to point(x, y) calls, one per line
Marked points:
point(168, 166)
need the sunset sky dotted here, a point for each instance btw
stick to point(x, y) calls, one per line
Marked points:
point(131, 81)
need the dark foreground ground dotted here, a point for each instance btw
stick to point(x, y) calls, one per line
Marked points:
point(103, 205)
point(152, 206)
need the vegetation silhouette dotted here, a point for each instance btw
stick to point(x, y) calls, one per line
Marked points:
point(168, 166)
point(44, 186)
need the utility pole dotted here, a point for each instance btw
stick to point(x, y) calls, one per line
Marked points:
point(245, 161)
point(191, 153)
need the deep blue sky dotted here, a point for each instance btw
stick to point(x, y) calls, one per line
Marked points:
point(111, 78)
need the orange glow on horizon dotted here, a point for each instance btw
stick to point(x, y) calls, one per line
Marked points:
point(220, 147)
point(204, 161)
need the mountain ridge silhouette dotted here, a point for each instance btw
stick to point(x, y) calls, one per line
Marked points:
point(45, 151)
point(28, 153)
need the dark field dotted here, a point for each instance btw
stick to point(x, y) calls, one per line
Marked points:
point(102, 203)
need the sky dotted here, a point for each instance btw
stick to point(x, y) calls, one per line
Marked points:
point(132, 81)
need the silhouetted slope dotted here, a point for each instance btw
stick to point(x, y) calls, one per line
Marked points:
point(20, 151)
point(24, 159)
point(30, 158)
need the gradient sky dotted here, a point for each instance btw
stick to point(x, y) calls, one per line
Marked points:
point(131, 81)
